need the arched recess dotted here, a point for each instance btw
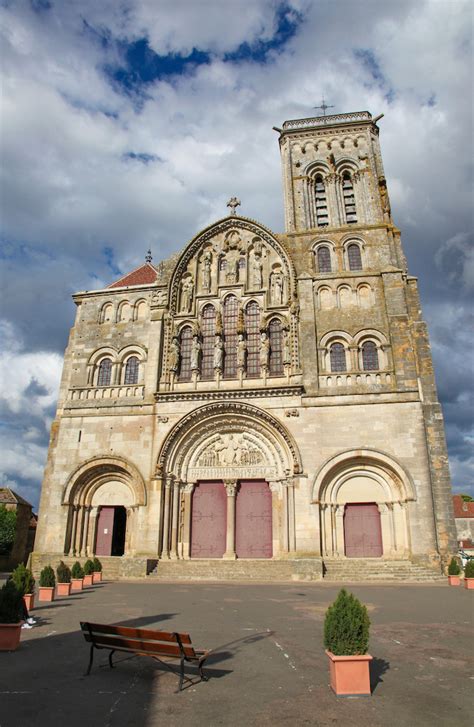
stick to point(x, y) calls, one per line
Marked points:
point(363, 478)
point(229, 445)
point(101, 482)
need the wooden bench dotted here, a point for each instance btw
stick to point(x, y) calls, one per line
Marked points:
point(144, 642)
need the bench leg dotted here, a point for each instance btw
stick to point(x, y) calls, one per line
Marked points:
point(203, 676)
point(181, 676)
point(110, 658)
point(91, 659)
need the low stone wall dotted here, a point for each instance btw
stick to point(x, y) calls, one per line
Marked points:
point(113, 568)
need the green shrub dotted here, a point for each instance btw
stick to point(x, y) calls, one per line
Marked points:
point(469, 569)
point(7, 529)
point(63, 572)
point(346, 626)
point(47, 577)
point(77, 570)
point(453, 567)
point(88, 567)
point(23, 579)
point(97, 565)
point(10, 603)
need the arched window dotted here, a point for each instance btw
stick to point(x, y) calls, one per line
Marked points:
point(276, 345)
point(370, 357)
point(208, 329)
point(321, 202)
point(186, 342)
point(354, 257)
point(324, 259)
point(231, 311)
point(131, 371)
point(349, 199)
point(105, 372)
point(337, 355)
point(252, 326)
point(107, 313)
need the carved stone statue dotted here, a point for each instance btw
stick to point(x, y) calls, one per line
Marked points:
point(159, 297)
point(286, 350)
point(264, 350)
point(276, 287)
point(384, 198)
point(241, 352)
point(206, 271)
point(232, 267)
point(187, 292)
point(218, 353)
point(295, 307)
point(175, 351)
point(256, 273)
point(195, 354)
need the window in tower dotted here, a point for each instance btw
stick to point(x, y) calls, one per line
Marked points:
point(186, 343)
point(324, 259)
point(252, 326)
point(105, 372)
point(337, 356)
point(276, 345)
point(349, 199)
point(208, 329)
point(370, 358)
point(131, 371)
point(321, 202)
point(354, 257)
point(231, 311)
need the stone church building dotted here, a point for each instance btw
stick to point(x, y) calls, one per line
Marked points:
point(260, 404)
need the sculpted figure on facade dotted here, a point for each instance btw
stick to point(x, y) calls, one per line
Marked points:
point(384, 198)
point(175, 351)
point(241, 352)
point(187, 293)
point(230, 450)
point(256, 272)
point(264, 350)
point(277, 284)
point(286, 348)
point(218, 354)
point(195, 354)
point(206, 271)
point(159, 297)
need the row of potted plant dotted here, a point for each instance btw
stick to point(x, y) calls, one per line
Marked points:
point(68, 579)
point(454, 573)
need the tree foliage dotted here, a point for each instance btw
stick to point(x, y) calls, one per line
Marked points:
point(77, 570)
point(63, 572)
point(47, 577)
point(346, 626)
point(23, 579)
point(7, 529)
point(10, 602)
point(469, 569)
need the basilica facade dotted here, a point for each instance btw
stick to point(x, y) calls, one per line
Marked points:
point(259, 396)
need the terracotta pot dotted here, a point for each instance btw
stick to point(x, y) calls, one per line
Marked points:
point(46, 593)
point(469, 583)
point(454, 580)
point(87, 581)
point(350, 675)
point(76, 584)
point(29, 599)
point(97, 576)
point(10, 636)
point(63, 589)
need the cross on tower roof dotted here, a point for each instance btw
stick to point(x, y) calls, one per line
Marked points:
point(148, 256)
point(323, 106)
point(233, 203)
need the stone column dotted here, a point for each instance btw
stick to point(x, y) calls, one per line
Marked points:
point(72, 543)
point(87, 513)
point(165, 550)
point(80, 530)
point(231, 488)
point(94, 511)
point(188, 497)
point(276, 505)
point(175, 522)
point(291, 516)
point(323, 509)
point(339, 531)
point(359, 197)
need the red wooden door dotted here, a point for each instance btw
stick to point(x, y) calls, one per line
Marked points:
point(362, 531)
point(209, 520)
point(253, 528)
point(105, 529)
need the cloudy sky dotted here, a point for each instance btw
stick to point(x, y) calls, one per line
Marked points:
point(128, 124)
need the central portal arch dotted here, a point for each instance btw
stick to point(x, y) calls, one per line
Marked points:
point(224, 469)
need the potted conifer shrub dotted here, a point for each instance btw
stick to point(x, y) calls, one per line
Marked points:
point(453, 572)
point(77, 575)
point(63, 573)
point(469, 574)
point(97, 574)
point(47, 582)
point(88, 572)
point(10, 623)
point(346, 638)
point(23, 579)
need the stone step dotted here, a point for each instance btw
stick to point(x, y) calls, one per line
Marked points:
point(238, 570)
point(362, 569)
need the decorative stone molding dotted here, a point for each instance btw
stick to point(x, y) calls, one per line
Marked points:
point(223, 394)
point(90, 475)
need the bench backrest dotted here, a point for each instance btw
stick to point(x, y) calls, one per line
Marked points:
point(145, 641)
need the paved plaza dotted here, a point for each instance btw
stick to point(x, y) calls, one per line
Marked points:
point(268, 665)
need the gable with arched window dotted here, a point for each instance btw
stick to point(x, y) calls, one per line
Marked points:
point(231, 312)
point(185, 346)
point(208, 330)
point(252, 328)
point(275, 334)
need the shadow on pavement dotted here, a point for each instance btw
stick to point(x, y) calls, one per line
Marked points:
point(378, 667)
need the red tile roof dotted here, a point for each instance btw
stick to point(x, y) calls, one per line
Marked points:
point(143, 275)
point(461, 508)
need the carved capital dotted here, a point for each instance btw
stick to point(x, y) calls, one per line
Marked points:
point(231, 487)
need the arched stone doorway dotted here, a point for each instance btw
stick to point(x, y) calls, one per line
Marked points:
point(363, 503)
point(228, 470)
point(102, 497)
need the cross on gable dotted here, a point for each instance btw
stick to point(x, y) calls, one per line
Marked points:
point(323, 107)
point(233, 203)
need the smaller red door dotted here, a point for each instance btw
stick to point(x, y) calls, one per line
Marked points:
point(209, 520)
point(105, 529)
point(362, 531)
point(253, 529)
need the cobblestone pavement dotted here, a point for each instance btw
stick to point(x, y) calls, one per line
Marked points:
point(268, 666)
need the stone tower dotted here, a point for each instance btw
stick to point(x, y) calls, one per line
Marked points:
point(260, 403)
